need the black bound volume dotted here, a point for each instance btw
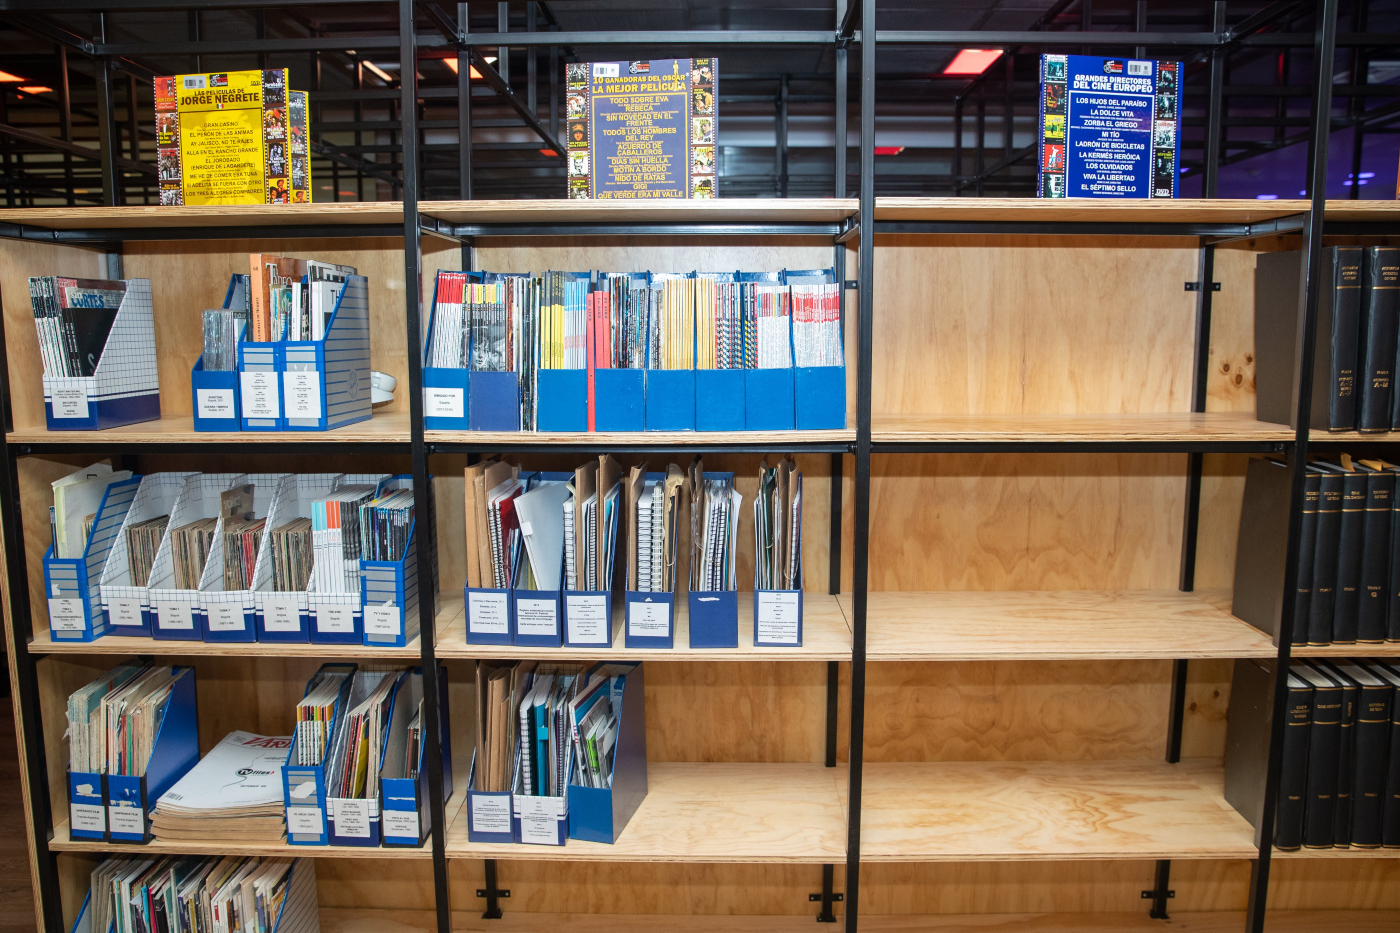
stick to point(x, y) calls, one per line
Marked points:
point(1277, 289)
point(1375, 552)
point(1390, 817)
point(1302, 601)
point(1346, 757)
point(1380, 319)
point(1247, 749)
point(1329, 531)
point(1259, 568)
point(1293, 780)
point(1351, 540)
point(1324, 747)
point(1371, 739)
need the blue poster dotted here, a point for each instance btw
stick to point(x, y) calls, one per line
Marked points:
point(1109, 127)
point(642, 130)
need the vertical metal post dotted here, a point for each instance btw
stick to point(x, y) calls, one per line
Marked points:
point(839, 148)
point(1281, 79)
point(422, 494)
point(65, 120)
point(193, 24)
point(1356, 105)
point(1324, 51)
point(957, 145)
point(1215, 106)
point(1086, 20)
point(531, 62)
point(553, 90)
point(106, 119)
point(861, 548)
point(780, 140)
point(981, 135)
point(1140, 24)
point(464, 109)
point(5, 149)
point(260, 25)
point(133, 124)
point(1008, 119)
point(503, 53)
point(493, 903)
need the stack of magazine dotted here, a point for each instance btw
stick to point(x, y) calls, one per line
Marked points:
point(234, 794)
point(142, 542)
point(241, 539)
point(291, 555)
point(74, 318)
point(777, 520)
point(335, 538)
point(384, 525)
point(113, 722)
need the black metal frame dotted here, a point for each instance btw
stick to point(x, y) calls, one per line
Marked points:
point(856, 20)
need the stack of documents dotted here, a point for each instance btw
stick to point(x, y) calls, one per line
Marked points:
point(539, 511)
point(314, 715)
point(87, 722)
point(335, 538)
point(142, 542)
point(241, 540)
point(291, 556)
point(816, 324)
point(714, 530)
point(495, 544)
point(589, 525)
point(190, 545)
point(76, 499)
point(355, 753)
point(222, 330)
point(592, 724)
point(777, 518)
point(194, 894)
point(543, 729)
point(384, 525)
point(74, 317)
point(233, 794)
point(653, 528)
point(132, 716)
point(501, 691)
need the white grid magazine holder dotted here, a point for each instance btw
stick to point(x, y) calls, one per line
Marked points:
point(344, 358)
point(155, 497)
point(316, 600)
point(125, 373)
point(211, 581)
point(198, 499)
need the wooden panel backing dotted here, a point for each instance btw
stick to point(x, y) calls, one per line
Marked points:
point(1006, 325)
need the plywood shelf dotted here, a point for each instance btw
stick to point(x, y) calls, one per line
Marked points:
point(1148, 427)
point(826, 636)
point(1363, 211)
point(133, 645)
point(212, 216)
point(1087, 210)
point(1053, 625)
point(61, 842)
point(1049, 810)
point(1333, 854)
point(388, 428)
point(773, 440)
point(1221, 598)
point(721, 210)
point(708, 812)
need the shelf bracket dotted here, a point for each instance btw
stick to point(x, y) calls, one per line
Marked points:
point(1160, 892)
point(1196, 286)
point(492, 893)
point(827, 897)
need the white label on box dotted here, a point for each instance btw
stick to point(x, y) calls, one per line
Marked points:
point(303, 388)
point(174, 616)
point(539, 819)
point(261, 397)
point(87, 817)
point(587, 619)
point(487, 613)
point(215, 403)
point(281, 615)
point(66, 615)
point(383, 620)
point(335, 618)
point(127, 820)
point(401, 824)
point(778, 615)
point(444, 403)
point(352, 818)
point(226, 617)
point(70, 402)
point(124, 611)
point(305, 820)
point(649, 620)
point(605, 69)
point(490, 813)
point(536, 617)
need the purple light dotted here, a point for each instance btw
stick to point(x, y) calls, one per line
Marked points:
point(1266, 197)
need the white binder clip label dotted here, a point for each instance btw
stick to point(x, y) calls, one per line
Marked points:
point(491, 813)
point(383, 620)
point(88, 817)
point(444, 403)
point(537, 617)
point(401, 824)
point(648, 620)
point(281, 615)
point(261, 397)
point(127, 820)
point(487, 613)
point(587, 619)
point(305, 820)
point(174, 616)
point(226, 617)
point(335, 618)
point(215, 403)
point(303, 390)
point(70, 402)
point(66, 615)
point(124, 611)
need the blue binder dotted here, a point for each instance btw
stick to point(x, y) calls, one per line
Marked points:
point(304, 786)
point(619, 399)
point(407, 818)
point(670, 399)
point(489, 615)
point(214, 395)
point(601, 814)
point(714, 619)
point(768, 400)
point(71, 584)
point(175, 750)
point(493, 398)
point(648, 618)
point(490, 816)
point(325, 383)
point(389, 590)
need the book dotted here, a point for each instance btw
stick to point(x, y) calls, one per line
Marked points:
point(1375, 551)
point(1322, 610)
point(242, 538)
point(1346, 754)
point(1371, 739)
point(234, 793)
point(271, 285)
point(1380, 323)
point(1293, 783)
point(1307, 544)
point(335, 538)
point(1324, 751)
point(1348, 555)
point(1390, 809)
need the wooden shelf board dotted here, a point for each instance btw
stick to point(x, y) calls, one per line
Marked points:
point(1048, 810)
point(225, 215)
point(1331, 854)
point(1089, 210)
point(62, 843)
point(1222, 597)
point(514, 920)
point(709, 812)
point(722, 210)
point(1053, 625)
point(1147, 426)
point(777, 440)
point(127, 645)
point(387, 428)
point(826, 636)
point(1366, 211)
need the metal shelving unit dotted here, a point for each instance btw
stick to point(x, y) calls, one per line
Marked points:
point(868, 438)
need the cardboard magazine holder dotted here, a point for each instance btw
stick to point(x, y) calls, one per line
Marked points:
point(338, 617)
point(231, 615)
point(719, 393)
point(601, 814)
point(713, 615)
point(445, 391)
point(619, 394)
point(489, 615)
point(214, 395)
point(819, 392)
point(493, 398)
point(489, 814)
point(175, 750)
point(326, 382)
point(304, 786)
point(124, 388)
point(563, 393)
point(389, 589)
point(537, 616)
point(777, 618)
point(768, 404)
point(72, 584)
point(588, 614)
point(260, 385)
point(539, 820)
point(175, 612)
point(670, 399)
point(357, 821)
point(407, 818)
point(127, 607)
point(648, 617)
